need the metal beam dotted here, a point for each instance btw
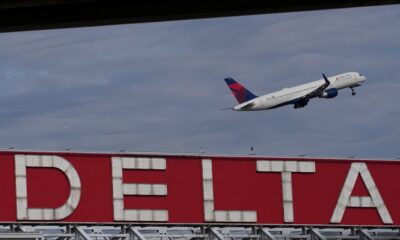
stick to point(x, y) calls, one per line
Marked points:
point(195, 232)
point(134, 234)
point(214, 234)
point(21, 228)
point(21, 232)
point(21, 236)
point(266, 235)
point(316, 235)
point(364, 235)
point(81, 234)
point(19, 15)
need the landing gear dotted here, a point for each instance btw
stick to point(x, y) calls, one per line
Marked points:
point(352, 91)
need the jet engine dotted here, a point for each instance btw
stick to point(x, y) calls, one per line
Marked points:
point(329, 93)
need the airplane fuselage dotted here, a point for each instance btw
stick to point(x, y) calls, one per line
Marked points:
point(294, 95)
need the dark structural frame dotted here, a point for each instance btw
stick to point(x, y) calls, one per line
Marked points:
point(21, 15)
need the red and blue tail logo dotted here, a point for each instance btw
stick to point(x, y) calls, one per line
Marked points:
point(241, 93)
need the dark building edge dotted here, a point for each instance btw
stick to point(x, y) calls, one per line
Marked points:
point(23, 15)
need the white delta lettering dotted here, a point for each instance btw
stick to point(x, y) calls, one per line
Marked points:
point(211, 215)
point(120, 189)
point(286, 168)
point(22, 162)
point(374, 200)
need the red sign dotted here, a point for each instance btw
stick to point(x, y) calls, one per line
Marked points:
point(104, 188)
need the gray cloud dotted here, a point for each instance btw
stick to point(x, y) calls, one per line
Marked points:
point(159, 86)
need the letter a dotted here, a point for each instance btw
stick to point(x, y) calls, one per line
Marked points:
point(373, 201)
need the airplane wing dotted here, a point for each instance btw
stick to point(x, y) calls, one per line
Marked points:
point(319, 90)
point(303, 100)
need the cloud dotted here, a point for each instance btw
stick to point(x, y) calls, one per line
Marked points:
point(158, 86)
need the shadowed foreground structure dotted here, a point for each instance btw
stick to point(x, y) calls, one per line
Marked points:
point(199, 232)
point(20, 15)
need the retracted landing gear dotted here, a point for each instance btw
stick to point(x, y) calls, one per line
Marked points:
point(352, 91)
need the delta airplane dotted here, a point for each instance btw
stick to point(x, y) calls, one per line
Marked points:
point(298, 95)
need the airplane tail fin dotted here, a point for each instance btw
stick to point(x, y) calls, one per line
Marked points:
point(241, 93)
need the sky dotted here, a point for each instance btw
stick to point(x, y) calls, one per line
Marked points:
point(159, 87)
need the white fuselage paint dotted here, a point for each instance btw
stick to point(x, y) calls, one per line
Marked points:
point(286, 95)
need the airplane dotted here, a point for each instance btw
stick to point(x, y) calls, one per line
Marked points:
point(299, 95)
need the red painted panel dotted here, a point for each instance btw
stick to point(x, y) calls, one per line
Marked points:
point(315, 194)
point(184, 200)
point(7, 187)
point(47, 187)
point(236, 186)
